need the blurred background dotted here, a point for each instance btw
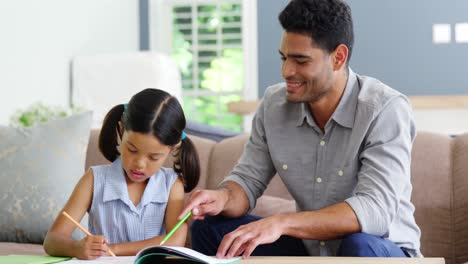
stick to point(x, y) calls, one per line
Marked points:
point(219, 56)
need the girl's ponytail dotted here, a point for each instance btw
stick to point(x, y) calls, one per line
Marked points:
point(187, 164)
point(111, 132)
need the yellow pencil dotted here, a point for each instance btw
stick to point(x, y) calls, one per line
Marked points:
point(83, 229)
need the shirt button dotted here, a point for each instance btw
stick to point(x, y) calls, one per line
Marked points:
point(285, 167)
point(322, 143)
point(340, 172)
point(319, 180)
point(322, 243)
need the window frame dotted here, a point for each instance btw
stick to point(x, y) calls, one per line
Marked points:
point(160, 24)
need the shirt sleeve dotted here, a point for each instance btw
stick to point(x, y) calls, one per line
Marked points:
point(385, 168)
point(255, 169)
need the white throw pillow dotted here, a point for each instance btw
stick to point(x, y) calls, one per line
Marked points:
point(39, 167)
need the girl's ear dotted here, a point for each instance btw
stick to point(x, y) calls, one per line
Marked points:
point(120, 128)
point(176, 146)
point(175, 149)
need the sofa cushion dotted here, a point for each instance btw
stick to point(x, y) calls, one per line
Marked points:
point(224, 156)
point(93, 155)
point(8, 248)
point(204, 148)
point(39, 169)
point(432, 192)
point(460, 198)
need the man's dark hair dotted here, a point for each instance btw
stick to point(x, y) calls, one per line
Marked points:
point(327, 22)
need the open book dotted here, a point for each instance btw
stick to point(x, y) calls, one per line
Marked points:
point(167, 254)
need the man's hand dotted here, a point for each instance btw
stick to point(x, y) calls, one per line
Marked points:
point(247, 237)
point(205, 202)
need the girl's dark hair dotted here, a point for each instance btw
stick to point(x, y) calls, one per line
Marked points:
point(155, 112)
point(329, 23)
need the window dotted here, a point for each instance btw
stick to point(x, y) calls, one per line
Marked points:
point(214, 45)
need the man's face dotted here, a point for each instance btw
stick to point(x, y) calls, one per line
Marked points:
point(307, 69)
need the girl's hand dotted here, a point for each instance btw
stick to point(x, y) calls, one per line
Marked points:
point(92, 247)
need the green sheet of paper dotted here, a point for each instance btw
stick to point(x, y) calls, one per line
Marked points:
point(31, 259)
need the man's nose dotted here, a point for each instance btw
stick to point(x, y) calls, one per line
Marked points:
point(288, 69)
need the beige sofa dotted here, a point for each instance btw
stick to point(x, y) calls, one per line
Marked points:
point(440, 194)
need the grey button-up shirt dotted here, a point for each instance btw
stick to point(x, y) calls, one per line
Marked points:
point(363, 158)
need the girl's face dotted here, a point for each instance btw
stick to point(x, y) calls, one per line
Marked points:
point(142, 155)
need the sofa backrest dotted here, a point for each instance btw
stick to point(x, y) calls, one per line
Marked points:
point(460, 198)
point(439, 174)
point(431, 177)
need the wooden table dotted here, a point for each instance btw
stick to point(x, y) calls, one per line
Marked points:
point(339, 260)
point(286, 260)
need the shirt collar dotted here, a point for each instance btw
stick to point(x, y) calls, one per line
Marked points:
point(305, 115)
point(115, 187)
point(344, 112)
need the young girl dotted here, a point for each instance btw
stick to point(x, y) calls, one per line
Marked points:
point(134, 201)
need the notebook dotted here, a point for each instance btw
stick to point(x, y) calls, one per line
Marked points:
point(31, 259)
point(179, 255)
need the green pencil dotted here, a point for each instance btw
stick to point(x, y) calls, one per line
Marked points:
point(176, 227)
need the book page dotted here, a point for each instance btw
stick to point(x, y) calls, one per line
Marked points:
point(103, 260)
point(200, 256)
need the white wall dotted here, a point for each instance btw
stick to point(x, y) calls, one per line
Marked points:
point(38, 39)
point(446, 121)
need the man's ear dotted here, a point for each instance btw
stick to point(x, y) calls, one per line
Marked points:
point(339, 57)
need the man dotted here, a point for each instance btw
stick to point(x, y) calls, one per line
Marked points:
point(340, 142)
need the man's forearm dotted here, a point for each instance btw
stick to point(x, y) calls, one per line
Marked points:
point(327, 223)
point(237, 203)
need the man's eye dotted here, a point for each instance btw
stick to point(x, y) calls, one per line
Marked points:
point(301, 62)
point(283, 58)
point(131, 150)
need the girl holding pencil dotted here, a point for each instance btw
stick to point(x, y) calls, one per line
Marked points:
point(134, 201)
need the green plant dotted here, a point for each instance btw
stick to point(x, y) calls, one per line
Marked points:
point(39, 113)
point(218, 72)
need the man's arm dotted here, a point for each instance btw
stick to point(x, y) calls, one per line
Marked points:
point(384, 176)
point(229, 200)
point(331, 222)
point(237, 203)
point(328, 223)
point(238, 193)
point(255, 169)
